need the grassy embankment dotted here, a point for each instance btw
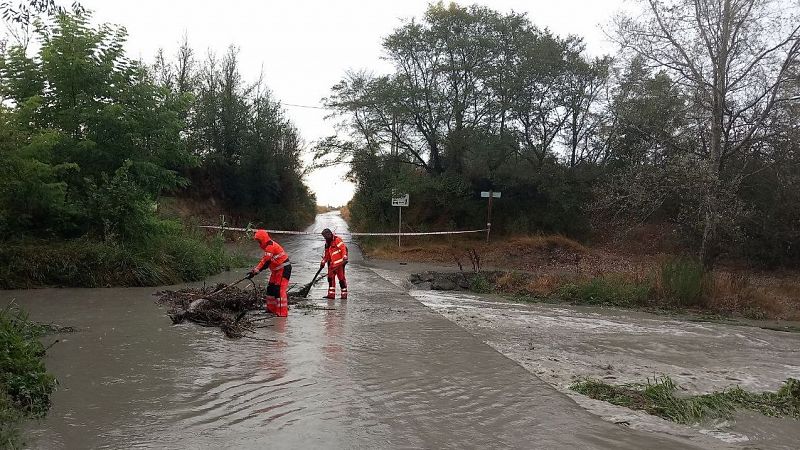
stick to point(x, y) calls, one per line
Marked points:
point(25, 385)
point(170, 253)
point(659, 398)
point(555, 268)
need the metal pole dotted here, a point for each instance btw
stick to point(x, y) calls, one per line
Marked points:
point(489, 217)
point(399, 223)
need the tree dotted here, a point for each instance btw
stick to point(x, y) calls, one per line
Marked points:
point(475, 99)
point(91, 128)
point(733, 57)
point(21, 15)
point(248, 151)
point(586, 82)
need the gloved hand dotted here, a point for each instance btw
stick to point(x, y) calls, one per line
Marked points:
point(344, 264)
point(252, 273)
point(321, 265)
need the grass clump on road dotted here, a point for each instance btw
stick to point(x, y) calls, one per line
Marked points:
point(25, 385)
point(659, 398)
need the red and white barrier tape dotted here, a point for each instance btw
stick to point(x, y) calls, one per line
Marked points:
point(429, 233)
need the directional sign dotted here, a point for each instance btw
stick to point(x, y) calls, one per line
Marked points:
point(400, 201)
point(486, 194)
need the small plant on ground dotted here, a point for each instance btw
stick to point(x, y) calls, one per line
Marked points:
point(480, 284)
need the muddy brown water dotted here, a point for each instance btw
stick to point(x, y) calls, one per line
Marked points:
point(379, 371)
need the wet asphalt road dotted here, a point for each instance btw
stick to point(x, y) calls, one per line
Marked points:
point(379, 371)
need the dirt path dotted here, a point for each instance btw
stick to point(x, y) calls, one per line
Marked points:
point(562, 344)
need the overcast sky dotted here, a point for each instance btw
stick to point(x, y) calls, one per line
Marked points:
point(305, 46)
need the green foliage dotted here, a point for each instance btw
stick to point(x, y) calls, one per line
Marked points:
point(248, 150)
point(87, 152)
point(170, 254)
point(614, 291)
point(10, 418)
point(89, 140)
point(22, 373)
point(478, 101)
point(683, 281)
point(480, 284)
point(658, 398)
point(25, 385)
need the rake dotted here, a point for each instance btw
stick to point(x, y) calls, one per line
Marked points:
point(307, 288)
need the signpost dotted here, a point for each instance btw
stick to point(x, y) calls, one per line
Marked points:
point(490, 195)
point(400, 202)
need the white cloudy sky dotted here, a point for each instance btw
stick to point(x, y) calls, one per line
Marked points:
point(305, 46)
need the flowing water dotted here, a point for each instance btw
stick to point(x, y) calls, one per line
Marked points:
point(379, 371)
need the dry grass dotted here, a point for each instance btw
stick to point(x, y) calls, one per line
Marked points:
point(541, 266)
point(736, 293)
point(432, 253)
point(552, 242)
point(789, 289)
point(345, 212)
point(520, 253)
point(544, 285)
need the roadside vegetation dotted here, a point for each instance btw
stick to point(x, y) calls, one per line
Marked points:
point(105, 160)
point(326, 209)
point(676, 284)
point(581, 145)
point(558, 269)
point(661, 397)
point(25, 385)
point(169, 257)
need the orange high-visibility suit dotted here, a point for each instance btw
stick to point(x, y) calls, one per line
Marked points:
point(335, 255)
point(276, 259)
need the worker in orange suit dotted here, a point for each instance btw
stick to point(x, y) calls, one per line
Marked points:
point(276, 259)
point(335, 255)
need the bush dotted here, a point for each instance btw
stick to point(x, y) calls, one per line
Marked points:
point(22, 373)
point(25, 385)
point(683, 281)
point(10, 418)
point(480, 284)
point(168, 255)
point(607, 291)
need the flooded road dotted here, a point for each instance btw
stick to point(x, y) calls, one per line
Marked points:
point(563, 344)
point(380, 371)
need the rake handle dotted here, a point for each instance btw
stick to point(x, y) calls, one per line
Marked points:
point(226, 287)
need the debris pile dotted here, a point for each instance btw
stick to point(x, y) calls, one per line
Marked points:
point(227, 309)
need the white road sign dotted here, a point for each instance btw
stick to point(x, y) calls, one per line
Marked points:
point(400, 201)
point(485, 194)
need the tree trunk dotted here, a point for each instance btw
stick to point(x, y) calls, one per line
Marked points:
point(711, 219)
